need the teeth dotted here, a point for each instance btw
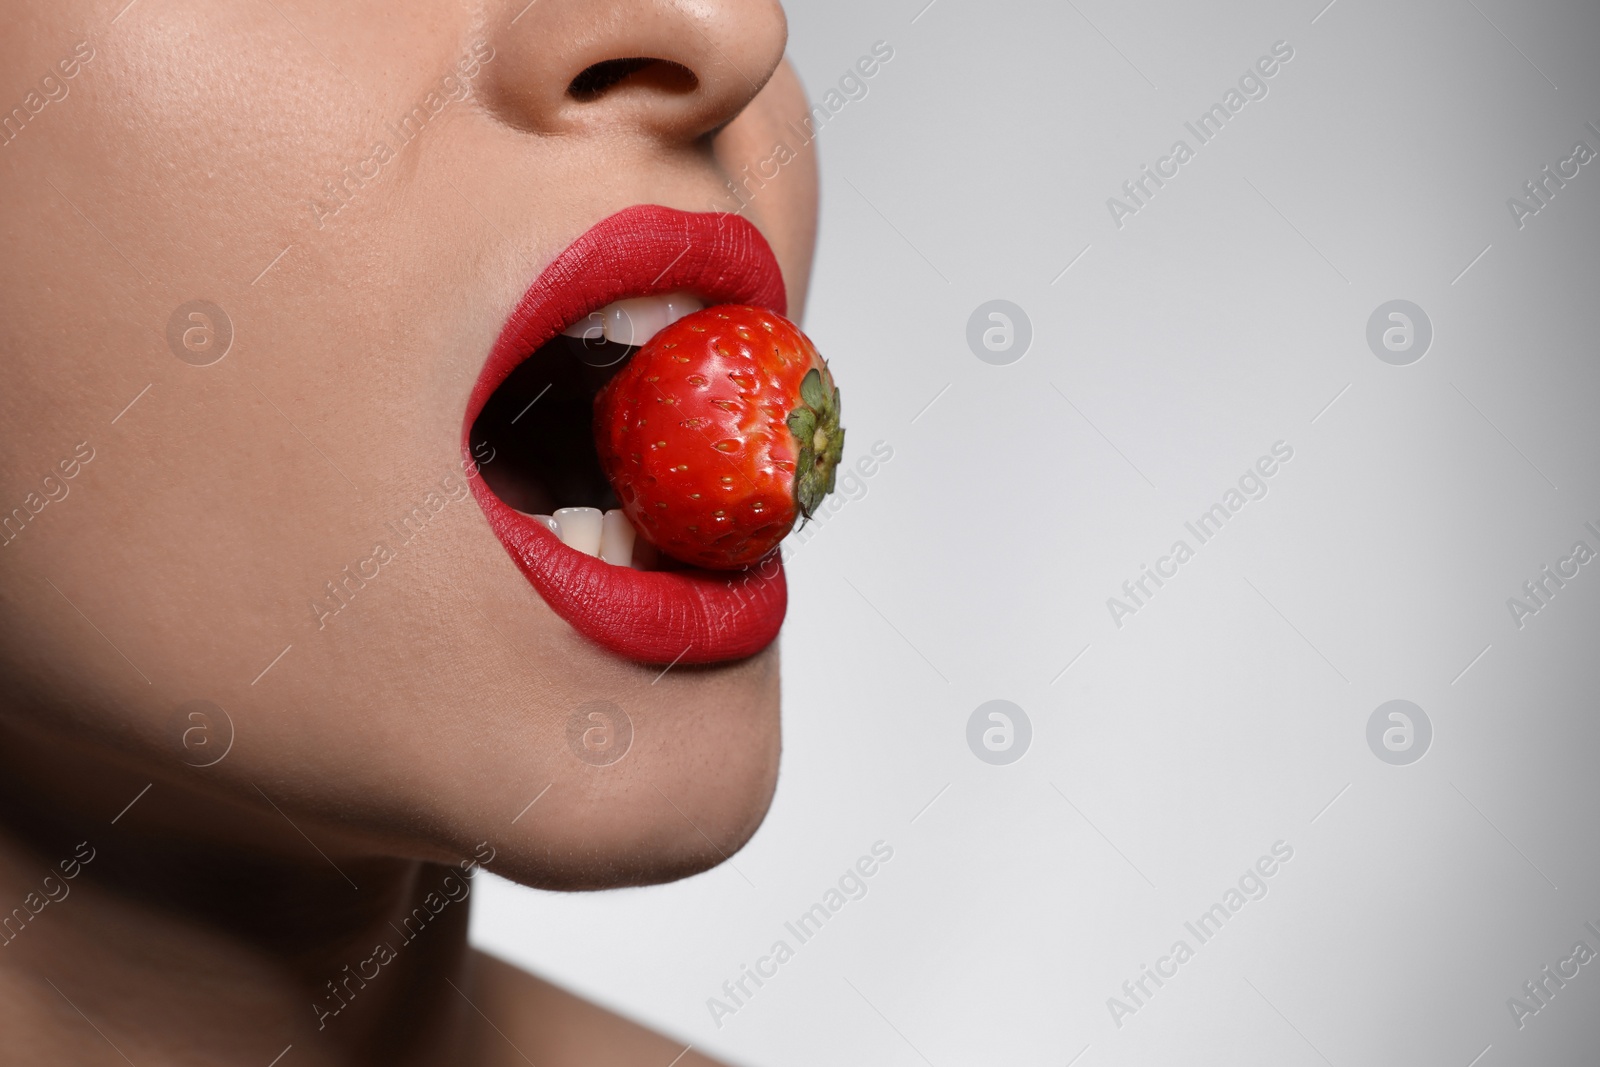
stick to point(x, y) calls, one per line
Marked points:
point(616, 539)
point(579, 528)
point(588, 328)
point(681, 304)
point(610, 536)
point(635, 320)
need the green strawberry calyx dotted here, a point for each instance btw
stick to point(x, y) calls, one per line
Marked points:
point(819, 440)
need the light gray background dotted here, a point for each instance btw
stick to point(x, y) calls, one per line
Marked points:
point(1231, 711)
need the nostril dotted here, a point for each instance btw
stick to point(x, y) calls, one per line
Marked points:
point(599, 78)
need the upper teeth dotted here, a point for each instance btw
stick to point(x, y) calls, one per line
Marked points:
point(635, 320)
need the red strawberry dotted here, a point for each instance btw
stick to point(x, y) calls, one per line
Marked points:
point(719, 433)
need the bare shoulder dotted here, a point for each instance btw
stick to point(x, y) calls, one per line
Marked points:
point(521, 1018)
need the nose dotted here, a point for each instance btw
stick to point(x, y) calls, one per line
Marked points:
point(671, 69)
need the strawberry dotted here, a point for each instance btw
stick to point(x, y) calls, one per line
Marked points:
point(719, 433)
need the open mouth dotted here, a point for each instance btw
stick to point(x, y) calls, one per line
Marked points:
point(531, 411)
point(539, 426)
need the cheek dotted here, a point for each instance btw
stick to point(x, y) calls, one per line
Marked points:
point(785, 210)
point(217, 472)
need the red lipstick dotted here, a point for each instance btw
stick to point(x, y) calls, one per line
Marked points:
point(686, 616)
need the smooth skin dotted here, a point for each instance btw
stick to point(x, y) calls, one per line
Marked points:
point(191, 157)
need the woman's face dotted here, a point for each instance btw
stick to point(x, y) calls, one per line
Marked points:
point(276, 563)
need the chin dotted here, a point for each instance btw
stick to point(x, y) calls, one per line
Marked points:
point(694, 786)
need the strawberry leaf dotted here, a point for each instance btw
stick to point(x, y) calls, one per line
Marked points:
point(803, 424)
point(812, 392)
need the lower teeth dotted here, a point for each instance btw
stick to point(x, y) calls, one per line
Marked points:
point(608, 535)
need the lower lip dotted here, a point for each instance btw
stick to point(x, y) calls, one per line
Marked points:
point(683, 616)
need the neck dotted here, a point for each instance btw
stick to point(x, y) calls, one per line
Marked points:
point(193, 930)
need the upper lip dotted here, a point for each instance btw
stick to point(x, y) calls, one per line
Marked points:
point(689, 616)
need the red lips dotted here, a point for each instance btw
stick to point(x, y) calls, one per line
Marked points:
point(687, 616)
